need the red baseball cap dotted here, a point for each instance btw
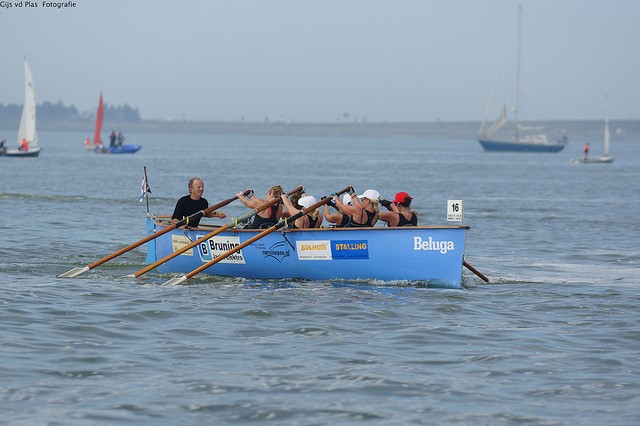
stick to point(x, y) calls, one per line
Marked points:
point(401, 197)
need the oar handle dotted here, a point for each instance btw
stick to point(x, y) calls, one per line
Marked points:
point(203, 213)
point(276, 200)
point(323, 200)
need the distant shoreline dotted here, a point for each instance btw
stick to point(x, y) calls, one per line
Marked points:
point(577, 130)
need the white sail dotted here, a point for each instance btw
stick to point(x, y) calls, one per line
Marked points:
point(497, 125)
point(607, 137)
point(27, 129)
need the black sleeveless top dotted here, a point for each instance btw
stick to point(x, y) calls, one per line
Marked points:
point(260, 222)
point(411, 222)
point(312, 222)
point(367, 224)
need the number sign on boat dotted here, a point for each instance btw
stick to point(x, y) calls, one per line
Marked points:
point(454, 210)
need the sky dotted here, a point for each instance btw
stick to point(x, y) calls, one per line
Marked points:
point(329, 60)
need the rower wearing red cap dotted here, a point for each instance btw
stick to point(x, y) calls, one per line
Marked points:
point(400, 213)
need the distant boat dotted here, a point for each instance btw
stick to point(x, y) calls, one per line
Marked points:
point(114, 147)
point(605, 158)
point(122, 149)
point(28, 145)
point(521, 139)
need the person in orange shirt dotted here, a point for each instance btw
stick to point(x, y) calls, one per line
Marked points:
point(25, 145)
point(586, 151)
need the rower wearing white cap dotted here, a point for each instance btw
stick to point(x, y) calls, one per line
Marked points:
point(338, 218)
point(364, 211)
point(312, 219)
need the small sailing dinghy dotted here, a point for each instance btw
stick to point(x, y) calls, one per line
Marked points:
point(604, 158)
point(114, 146)
point(28, 144)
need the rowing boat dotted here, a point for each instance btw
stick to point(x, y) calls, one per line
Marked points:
point(430, 254)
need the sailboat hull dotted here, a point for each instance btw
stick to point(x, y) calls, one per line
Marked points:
point(18, 153)
point(511, 146)
point(123, 149)
point(603, 159)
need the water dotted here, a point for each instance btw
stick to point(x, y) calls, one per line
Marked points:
point(552, 340)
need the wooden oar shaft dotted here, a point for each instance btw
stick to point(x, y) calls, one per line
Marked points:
point(212, 234)
point(180, 251)
point(230, 252)
point(78, 271)
point(130, 247)
point(475, 271)
point(164, 231)
point(259, 236)
point(203, 213)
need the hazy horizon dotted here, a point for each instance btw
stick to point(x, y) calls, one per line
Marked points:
point(402, 61)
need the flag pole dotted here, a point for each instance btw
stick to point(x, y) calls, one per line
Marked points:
point(147, 190)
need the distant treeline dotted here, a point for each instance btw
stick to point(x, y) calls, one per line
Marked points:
point(59, 112)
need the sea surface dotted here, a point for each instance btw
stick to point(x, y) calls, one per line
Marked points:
point(553, 339)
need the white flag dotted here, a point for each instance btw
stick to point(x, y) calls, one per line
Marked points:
point(144, 188)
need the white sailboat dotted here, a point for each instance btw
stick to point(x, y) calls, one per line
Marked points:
point(28, 145)
point(519, 140)
point(605, 157)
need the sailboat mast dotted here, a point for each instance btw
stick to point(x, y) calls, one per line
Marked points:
point(517, 91)
point(607, 136)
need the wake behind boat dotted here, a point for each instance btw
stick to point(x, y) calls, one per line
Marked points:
point(521, 138)
point(28, 144)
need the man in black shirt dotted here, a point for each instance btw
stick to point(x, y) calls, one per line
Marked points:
point(193, 203)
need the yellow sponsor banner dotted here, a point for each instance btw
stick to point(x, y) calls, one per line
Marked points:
point(179, 241)
point(314, 250)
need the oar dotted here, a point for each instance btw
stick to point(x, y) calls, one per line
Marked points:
point(232, 223)
point(324, 200)
point(72, 273)
point(475, 271)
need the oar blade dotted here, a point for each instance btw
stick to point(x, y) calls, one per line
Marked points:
point(176, 280)
point(72, 273)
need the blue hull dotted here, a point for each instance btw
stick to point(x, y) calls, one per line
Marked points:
point(124, 149)
point(507, 146)
point(426, 254)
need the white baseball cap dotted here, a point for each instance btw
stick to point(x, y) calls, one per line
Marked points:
point(307, 201)
point(371, 194)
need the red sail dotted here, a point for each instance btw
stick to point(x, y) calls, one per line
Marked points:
point(99, 117)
